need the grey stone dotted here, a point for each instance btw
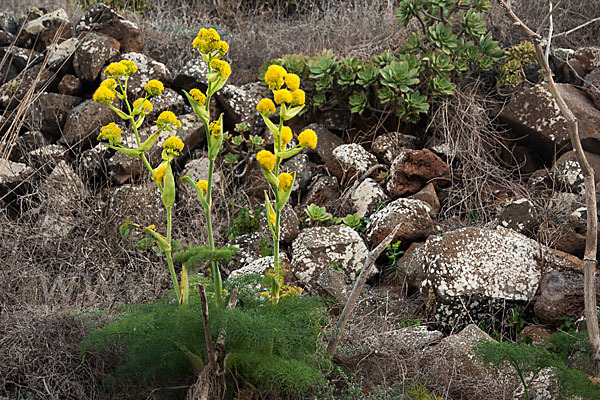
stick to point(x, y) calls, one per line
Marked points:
point(239, 104)
point(303, 168)
point(388, 146)
point(289, 224)
point(92, 54)
point(367, 197)
point(323, 191)
point(353, 159)
point(48, 112)
point(148, 69)
point(83, 123)
point(47, 29)
point(60, 54)
point(192, 75)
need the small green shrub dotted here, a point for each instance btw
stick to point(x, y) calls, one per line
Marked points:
point(275, 347)
point(246, 221)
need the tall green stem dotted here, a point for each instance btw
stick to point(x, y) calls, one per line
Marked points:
point(170, 259)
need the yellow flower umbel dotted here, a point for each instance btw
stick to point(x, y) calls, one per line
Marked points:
point(142, 106)
point(154, 87)
point(203, 186)
point(198, 96)
point(308, 138)
point(159, 174)
point(167, 120)
point(285, 181)
point(266, 159)
point(115, 70)
point(110, 84)
point(222, 68)
point(275, 76)
point(209, 44)
point(265, 107)
point(110, 132)
point(172, 146)
point(283, 96)
point(286, 136)
point(130, 67)
point(104, 95)
point(298, 97)
point(292, 81)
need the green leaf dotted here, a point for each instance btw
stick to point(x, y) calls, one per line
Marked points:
point(358, 101)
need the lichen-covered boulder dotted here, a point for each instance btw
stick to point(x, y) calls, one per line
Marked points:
point(318, 248)
point(260, 265)
point(13, 175)
point(568, 174)
point(46, 29)
point(323, 153)
point(389, 146)
point(289, 224)
point(367, 197)
point(592, 85)
point(191, 75)
point(147, 69)
point(239, 104)
point(353, 159)
point(70, 85)
point(412, 215)
point(13, 91)
point(63, 189)
point(92, 54)
point(103, 19)
point(520, 216)
point(47, 156)
point(323, 191)
point(303, 168)
point(589, 57)
point(413, 169)
point(60, 54)
point(429, 196)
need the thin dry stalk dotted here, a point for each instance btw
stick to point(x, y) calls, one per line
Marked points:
point(591, 238)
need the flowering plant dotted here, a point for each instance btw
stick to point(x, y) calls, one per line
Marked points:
point(118, 74)
point(291, 101)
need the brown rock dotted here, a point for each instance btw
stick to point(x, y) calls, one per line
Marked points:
point(239, 104)
point(588, 117)
point(323, 153)
point(91, 56)
point(589, 57)
point(46, 29)
point(413, 169)
point(103, 19)
point(520, 216)
point(324, 191)
point(429, 196)
point(289, 224)
point(83, 123)
point(70, 85)
point(388, 146)
point(13, 91)
point(592, 86)
point(537, 333)
point(48, 112)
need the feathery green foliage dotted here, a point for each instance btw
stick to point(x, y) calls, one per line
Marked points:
point(273, 346)
point(193, 256)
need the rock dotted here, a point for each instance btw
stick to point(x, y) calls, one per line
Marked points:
point(318, 248)
point(568, 174)
point(93, 162)
point(389, 146)
point(520, 216)
point(103, 19)
point(192, 75)
point(20, 57)
point(534, 115)
point(561, 296)
point(59, 55)
point(13, 91)
point(83, 123)
point(63, 191)
point(147, 69)
point(260, 265)
point(405, 340)
point(46, 29)
point(197, 169)
point(27, 142)
point(337, 119)
point(353, 159)
point(412, 215)
point(323, 153)
point(335, 284)
point(592, 86)
point(169, 100)
point(589, 57)
point(303, 168)
point(367, 197)
point(91, 56)
point(429, 196)
point(323, 191)
point(8, 23)
point(141, 203)
point(48, 112)
point(538, 335)
point(289, 224)
point(70, 85)
point(48, 156)
point(521, 158)
point(56, 226)
point(252, 247)
point(6, 38)
point(413, 169)
point(239, 104)
point(14, 175)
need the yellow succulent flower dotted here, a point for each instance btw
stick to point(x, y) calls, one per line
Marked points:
point(115, 70)
point(292, 81)
point(221, 48)
point(210, 35)
point(110, 132)
point(110, 84)
point(222, 67)
point(173, 143)
point(103, 95)
point(154, 87)
point(286, 135)
point(308, 138)
point(147, 107)
point(266, 159)
point(167, 119)
point(203, 186)
point(159, 174)
point(266, 107)
point(285, 181)
point(274, 76)
point(198, 96)
point(298, 97)
point(130, 67)
point(283, 96)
